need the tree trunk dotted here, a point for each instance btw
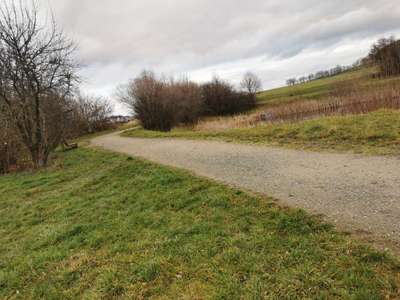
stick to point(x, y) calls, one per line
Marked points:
point(39, 157)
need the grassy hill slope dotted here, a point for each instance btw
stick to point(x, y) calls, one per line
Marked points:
point(98, 225)
point(320, 89)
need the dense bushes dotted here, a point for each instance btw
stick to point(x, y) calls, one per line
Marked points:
point(88, 114)
point(220, 98)
point(160, 104)
point(386, 55)
point(12, 152)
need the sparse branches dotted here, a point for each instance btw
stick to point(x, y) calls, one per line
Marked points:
point(251, 83)
point(90, 114)
point(37, 73)
point(291, 81)
point(386, 55)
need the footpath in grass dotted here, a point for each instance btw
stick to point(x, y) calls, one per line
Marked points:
point(373, 133)
point(98, 225)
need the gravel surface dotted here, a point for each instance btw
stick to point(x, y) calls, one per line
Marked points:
point(358, 193)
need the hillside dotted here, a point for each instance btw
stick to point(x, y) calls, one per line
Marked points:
point(320, 89)
point(101, 225)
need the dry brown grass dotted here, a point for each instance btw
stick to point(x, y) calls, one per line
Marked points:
point(344, 100)
point(354, 102)
point(223, 123)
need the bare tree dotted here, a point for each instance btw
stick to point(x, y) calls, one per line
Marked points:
point(302, 79)
point(251, 83)
point(90, 114)
point(386, 55)
point(37, 73)
point(291, 81)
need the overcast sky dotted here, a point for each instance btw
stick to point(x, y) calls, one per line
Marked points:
point(276, 39)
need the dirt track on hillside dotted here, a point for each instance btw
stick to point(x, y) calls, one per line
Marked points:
point(357, 193)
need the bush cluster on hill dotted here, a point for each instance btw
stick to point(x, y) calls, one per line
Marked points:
point(161, 104)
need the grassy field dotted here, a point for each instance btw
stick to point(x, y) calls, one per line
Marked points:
point(322, 88)
point(98, 225)
point(374, 133)
point(313, 90)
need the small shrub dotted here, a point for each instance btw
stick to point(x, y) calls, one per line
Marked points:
point(220, 98)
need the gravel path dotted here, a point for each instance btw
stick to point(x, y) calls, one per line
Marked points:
point(357, 193)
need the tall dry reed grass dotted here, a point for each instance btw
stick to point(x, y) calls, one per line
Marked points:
point(343, 100)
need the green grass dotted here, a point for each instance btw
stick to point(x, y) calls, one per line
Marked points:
point(98, 225)
point(376, 133)
point(320, 89)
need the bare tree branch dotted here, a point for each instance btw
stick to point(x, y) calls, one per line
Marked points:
point(37, 73)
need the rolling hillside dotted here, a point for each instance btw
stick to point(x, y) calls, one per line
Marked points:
point(320, 89)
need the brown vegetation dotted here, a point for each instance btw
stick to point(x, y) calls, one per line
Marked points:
point(161, 104)
point(37, 73)
point(12, 154)
point(38, 108)
point(386, 55)
point(352, 100)
point(221, 98)
point(88, 114)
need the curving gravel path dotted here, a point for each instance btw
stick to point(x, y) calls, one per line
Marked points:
point(357, 193)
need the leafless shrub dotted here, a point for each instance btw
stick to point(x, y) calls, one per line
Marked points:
point(89, 114)
point(187, 100)
point(220, 98)
point(160, 104)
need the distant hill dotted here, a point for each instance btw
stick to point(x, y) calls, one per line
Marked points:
point(321, 88)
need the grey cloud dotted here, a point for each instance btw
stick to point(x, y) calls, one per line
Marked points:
point(187, 35)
